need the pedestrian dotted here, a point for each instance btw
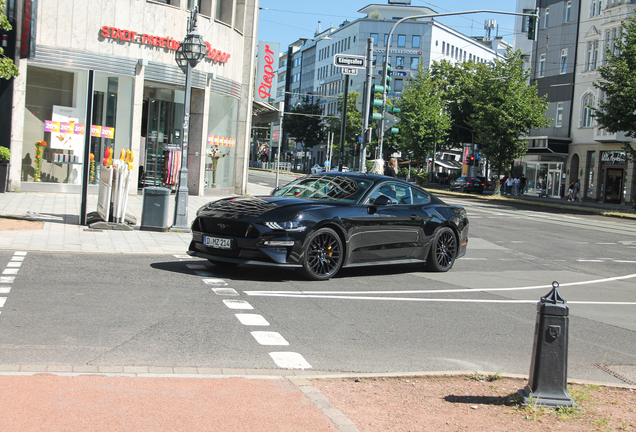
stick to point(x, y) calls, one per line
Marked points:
point(378, 167)
point(509, 184)
point(571, 191)
point(391, 169)
point(516, 182)
point(503, 182)
point(522, 184)
point(577, 188)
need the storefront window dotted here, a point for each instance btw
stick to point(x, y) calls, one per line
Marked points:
point(221, 143)
point(55, 113)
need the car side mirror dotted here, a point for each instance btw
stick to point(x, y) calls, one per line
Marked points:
point(274, 191)
point(382, 200)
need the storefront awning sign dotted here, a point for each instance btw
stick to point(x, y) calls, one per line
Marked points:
point(213, 54)
point(613, 157)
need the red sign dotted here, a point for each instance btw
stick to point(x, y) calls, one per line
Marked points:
point(169, 43)
point(29, 13)
point(264, 90)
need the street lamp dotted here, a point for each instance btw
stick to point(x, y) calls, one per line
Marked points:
point(188, 55)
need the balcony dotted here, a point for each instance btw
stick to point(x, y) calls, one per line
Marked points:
point(601, 135)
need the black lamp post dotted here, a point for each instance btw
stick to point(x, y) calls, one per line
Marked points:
point(189, 54)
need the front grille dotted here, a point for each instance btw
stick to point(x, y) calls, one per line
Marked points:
point(227, 227)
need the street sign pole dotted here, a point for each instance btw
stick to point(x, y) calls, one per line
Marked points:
point(368, 95)
point(343, 126)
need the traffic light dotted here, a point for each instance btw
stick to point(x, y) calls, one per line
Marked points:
point(393, 110)
point(532, 25)
point(471, 161)
point(387, 78)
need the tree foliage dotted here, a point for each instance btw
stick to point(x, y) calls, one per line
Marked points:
point(304, 123)
point(617, 109)
point(353, 127)
point(7, 68)
point(504, 109)
point(424, 122)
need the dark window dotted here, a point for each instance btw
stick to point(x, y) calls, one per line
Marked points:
point(401, 41)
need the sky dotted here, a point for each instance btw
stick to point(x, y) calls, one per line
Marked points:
point(286, 21)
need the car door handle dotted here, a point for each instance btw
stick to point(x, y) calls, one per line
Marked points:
point(413, 216)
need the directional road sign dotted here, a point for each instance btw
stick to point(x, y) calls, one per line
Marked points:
point(349, 61)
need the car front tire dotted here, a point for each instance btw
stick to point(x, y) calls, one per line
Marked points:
point(443, 251)
point(322, 254)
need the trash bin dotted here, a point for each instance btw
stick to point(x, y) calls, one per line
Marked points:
point(154, 214)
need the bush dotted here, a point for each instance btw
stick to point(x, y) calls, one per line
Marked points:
point(402, 172)
point(5, 154)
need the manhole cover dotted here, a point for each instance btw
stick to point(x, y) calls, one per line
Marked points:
point(624, 372)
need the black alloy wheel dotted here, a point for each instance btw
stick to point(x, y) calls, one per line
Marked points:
point(322, 254)
point(443, 251)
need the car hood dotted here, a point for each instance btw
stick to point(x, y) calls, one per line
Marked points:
point(254, 208)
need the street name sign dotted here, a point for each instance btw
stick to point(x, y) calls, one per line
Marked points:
point(349, 61)
point(349, 71)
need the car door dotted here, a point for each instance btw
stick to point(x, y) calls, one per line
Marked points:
point(387, 232)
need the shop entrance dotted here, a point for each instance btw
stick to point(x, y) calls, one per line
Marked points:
point(613, 185)
point(162, 121)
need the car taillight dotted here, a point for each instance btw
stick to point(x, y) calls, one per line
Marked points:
point(482, 184)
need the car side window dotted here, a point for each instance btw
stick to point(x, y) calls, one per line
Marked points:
point(420, 197)
point(396, 192)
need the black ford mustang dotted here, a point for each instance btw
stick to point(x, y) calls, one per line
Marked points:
point(325, 221)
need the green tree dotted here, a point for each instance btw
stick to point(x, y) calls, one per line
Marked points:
point(424, 124)
point(7, 68)
point(505, 108)
point(616, 111)
point(452, 81)
point(304, 123)
point(353, 129)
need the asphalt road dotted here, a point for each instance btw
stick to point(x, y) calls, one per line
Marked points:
point(164, 310)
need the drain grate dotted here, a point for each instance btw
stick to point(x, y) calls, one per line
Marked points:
point(624, 372)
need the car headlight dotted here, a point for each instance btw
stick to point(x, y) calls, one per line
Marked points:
point(286, 226)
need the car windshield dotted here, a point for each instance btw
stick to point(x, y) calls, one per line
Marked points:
point(327, 188)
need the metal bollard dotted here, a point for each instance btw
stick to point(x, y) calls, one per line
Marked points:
point(547, 384)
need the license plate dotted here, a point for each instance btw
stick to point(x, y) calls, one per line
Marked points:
point(216, 242)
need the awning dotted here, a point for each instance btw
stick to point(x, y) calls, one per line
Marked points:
point(449, 164)
point(263, 113)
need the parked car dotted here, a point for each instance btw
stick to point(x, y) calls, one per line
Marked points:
point(322, 222)
point(467, 184)
point(316, 169)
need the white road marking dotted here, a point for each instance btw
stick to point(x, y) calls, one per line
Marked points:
point(17, 258)
point(5, 290)
point(2, 300)
point(252, 320)
point(460, 290)
point(225, 291)
point(605, 243)
point(594, 260)
point(10, 271)
point(19, 253)
point(624, 261)
point(14, 264)
point(7, 279)
point(269, 338)
point(289, 360)
point(437, 300)
point(196, 266)
point(237, 304)
point(183, 256)
point(518, 241)
point(214, 281)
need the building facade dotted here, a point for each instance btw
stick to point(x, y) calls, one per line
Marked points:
point(138, 93)
point(572, 39)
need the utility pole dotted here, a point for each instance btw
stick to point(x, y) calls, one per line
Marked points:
point(343, 125)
